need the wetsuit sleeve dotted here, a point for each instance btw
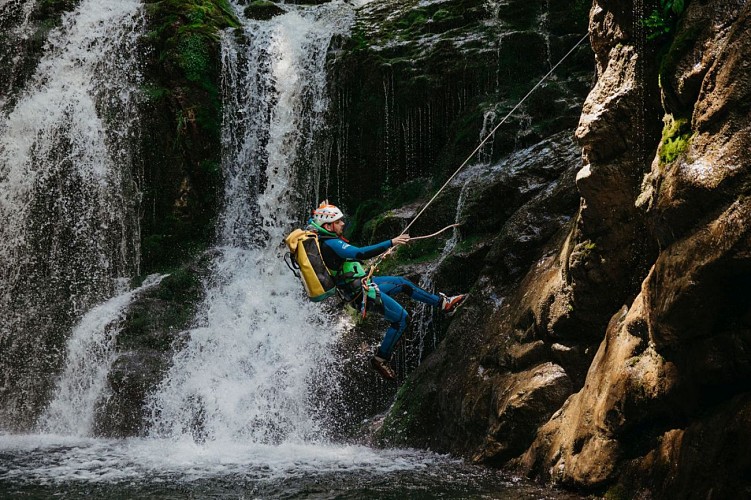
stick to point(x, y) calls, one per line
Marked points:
point(347, 251)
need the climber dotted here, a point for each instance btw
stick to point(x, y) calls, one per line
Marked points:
point(344, 261)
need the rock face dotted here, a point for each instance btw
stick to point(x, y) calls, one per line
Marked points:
point(151, 332)
point(675, 364)
point(418, 81)
point(614, 352)
point(181, 116)
point(487, 389)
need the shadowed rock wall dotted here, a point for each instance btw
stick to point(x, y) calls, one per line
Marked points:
point(418, 81)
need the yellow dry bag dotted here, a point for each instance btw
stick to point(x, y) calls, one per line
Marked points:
point(306, 256)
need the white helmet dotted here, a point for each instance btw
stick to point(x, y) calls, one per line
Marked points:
point(326, 213)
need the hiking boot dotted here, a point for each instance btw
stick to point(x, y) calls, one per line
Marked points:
point(382, 367)
point(449, 305)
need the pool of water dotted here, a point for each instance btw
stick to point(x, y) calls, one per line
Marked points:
point(44, 466)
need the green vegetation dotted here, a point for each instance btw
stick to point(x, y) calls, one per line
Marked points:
point(441, 15)
point(159, 314)
point(662, 21)
point(618, 492)
point(469, 243)
point(414, 253)
point(183, 113)
point(413, 20)
point(370, 213)
point(401, 418)
point(193, 56)
point(676, 137)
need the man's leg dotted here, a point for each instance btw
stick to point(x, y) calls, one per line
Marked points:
point(397, 316)
point(393, 285)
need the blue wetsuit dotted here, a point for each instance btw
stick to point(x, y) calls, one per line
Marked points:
point(389, 286)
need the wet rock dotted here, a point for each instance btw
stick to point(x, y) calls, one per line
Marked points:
point(262, 10)
point(524, 355)
point(132, 377)
point(576, 450)
point(180, 177)
point(488, 349)
point(700, 461)
point(697, 282)
point(418, 80)
point(709, 174)
point(521, 404)
point(153, 329)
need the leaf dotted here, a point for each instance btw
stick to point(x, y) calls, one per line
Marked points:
point(678, 6)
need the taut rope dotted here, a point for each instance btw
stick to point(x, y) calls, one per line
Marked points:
point(464, 164)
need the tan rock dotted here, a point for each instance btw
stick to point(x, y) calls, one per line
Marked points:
point(671, 376)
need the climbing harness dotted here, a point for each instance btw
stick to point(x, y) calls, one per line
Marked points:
point(370, 291)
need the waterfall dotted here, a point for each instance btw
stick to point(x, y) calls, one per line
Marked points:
point(259, 353)
point(67, 194)
point(90, 354)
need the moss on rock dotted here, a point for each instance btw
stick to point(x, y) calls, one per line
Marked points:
point(182, 117)
point(153, 328)
point(418, 82)
point(676, 137)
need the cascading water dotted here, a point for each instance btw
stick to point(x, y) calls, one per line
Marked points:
point(424, 327)
point(67, 195)
point(90, 354)
point(258, 350)
point(15, 33)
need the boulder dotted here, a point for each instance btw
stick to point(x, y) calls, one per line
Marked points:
point(262, 10)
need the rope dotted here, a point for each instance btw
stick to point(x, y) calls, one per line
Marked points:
point(387, 252)
point(434, 234)
point(471, 155)
point(464, 164)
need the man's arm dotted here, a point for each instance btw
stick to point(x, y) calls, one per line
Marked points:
point(347, 251)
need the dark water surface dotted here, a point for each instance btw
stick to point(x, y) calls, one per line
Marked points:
point(42, 466)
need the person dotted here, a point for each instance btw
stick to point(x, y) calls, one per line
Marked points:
point(344, 262)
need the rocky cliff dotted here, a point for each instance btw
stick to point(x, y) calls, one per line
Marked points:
point(617, 357)
point(418, 82)
point(665, 404)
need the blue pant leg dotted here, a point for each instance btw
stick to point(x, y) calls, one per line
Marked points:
point(393, 285)
point(397, 316)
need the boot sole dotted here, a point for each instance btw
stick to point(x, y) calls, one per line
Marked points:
point(458, 305)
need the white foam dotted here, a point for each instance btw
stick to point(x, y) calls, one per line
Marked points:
point(58, 459)
point(67, 197)
point(260, 351)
